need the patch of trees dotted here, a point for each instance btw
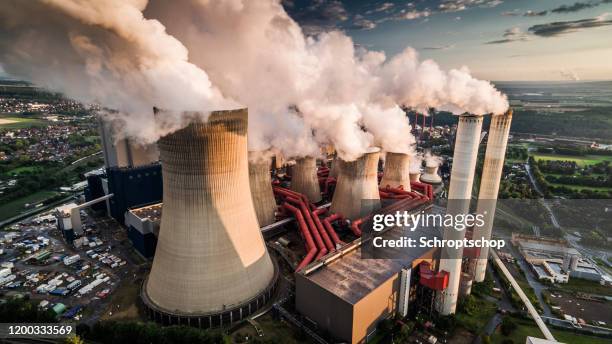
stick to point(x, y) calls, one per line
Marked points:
point(557, 166)
point(24, 310)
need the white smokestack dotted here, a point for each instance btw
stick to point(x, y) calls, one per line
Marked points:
point(357, 182)
point(489, 185)
point(459, 195)
point(397, 171)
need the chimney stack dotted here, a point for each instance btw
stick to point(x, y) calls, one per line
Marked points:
point(304, 178)
point(489, 186)
point(211, 265)
point(396, 171)
point(261, 188)
point(357, 182)
point(459, 195)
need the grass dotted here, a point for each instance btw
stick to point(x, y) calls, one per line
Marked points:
point(15, 207)
point(526, 328)
point(475, 313)
point(580, 160)
point(584, 286)
point(23, 169)
point(11, 122)
point(580, 187)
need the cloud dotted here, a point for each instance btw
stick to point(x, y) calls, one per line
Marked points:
point(531, 13)
point(439, 47)
point(562, 27)
point(361, 23)
point(569, 74)
point(413, 14)
point(514, 34)
point(512, 13)
point(577, 6)
point(461, 5)
point(384, 6)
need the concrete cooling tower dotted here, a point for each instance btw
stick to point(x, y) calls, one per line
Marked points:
point(211, 266)
point(397, 171)
point(357, 182)
point(431, 175)
point(489, 186)
point(304, 178)
point(261, 188)
point(459, 195)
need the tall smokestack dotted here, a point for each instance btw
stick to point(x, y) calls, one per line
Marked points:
point(211, 258)
point(261, 188)
point(489, 185)
point(459, 195)
point(397, 171)
point(357, 181)
point(304, 178)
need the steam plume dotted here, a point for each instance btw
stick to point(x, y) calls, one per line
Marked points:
point(432, 160)
point(416, 162)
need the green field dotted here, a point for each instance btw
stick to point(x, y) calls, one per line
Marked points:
point(580, 187)
point(528, 328)
point(580, 160)
point(11, 122)
point(16, 207)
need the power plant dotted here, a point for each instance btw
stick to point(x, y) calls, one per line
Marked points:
point(233, 222)
point(211, 265)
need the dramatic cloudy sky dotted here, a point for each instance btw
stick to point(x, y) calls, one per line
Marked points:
point(496, 39)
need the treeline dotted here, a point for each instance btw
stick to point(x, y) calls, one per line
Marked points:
point(111, 332)
point(23, 310)
point(580, 180)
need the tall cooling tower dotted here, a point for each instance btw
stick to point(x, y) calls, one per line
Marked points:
point(489, 185)
point(397, 171)
point(261, 188)
point(357, 182)
point(459, 195)
point(211, 265)
point(304, 178)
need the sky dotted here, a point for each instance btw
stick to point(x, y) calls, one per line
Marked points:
point(500, 40)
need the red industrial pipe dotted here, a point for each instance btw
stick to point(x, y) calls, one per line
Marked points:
point(432, 280)
point(286, 193)
point(310, 246)
point(307, 214)
point(321, 228)
point(329, 181)
point(327, 222)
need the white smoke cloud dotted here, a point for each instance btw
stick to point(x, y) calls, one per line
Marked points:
point(416, 163)
point(302, 91)
point(106, 52)
point(432, 160)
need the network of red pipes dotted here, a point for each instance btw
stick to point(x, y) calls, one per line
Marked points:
point(320, 237)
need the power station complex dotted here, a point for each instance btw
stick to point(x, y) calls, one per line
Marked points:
point(227, 228)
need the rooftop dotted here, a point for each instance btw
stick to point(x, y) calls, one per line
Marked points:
point(151, 212)
point(352, 277)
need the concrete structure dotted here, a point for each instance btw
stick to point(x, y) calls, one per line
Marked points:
point(69, 217)
point(534, 340)
point(121, 152)
point(459, 195)
point(356, 191)
point(415, 177)
point(260, 182)
point(143, 228)
point(489, 187)
point(304, 178)
point(431, 175)
point(335, 167)
point(397, 171)
point(347, 296)
point(211, 266)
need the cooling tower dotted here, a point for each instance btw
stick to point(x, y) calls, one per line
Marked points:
point(415, 176)
point(431, 175)
point(357, 182)
point(261, 188)
point(459, 194)
point(335, 167)
point(397, 171)
point(304, 178)
point(211, 265)
point(489, 186)
point(121, 152)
